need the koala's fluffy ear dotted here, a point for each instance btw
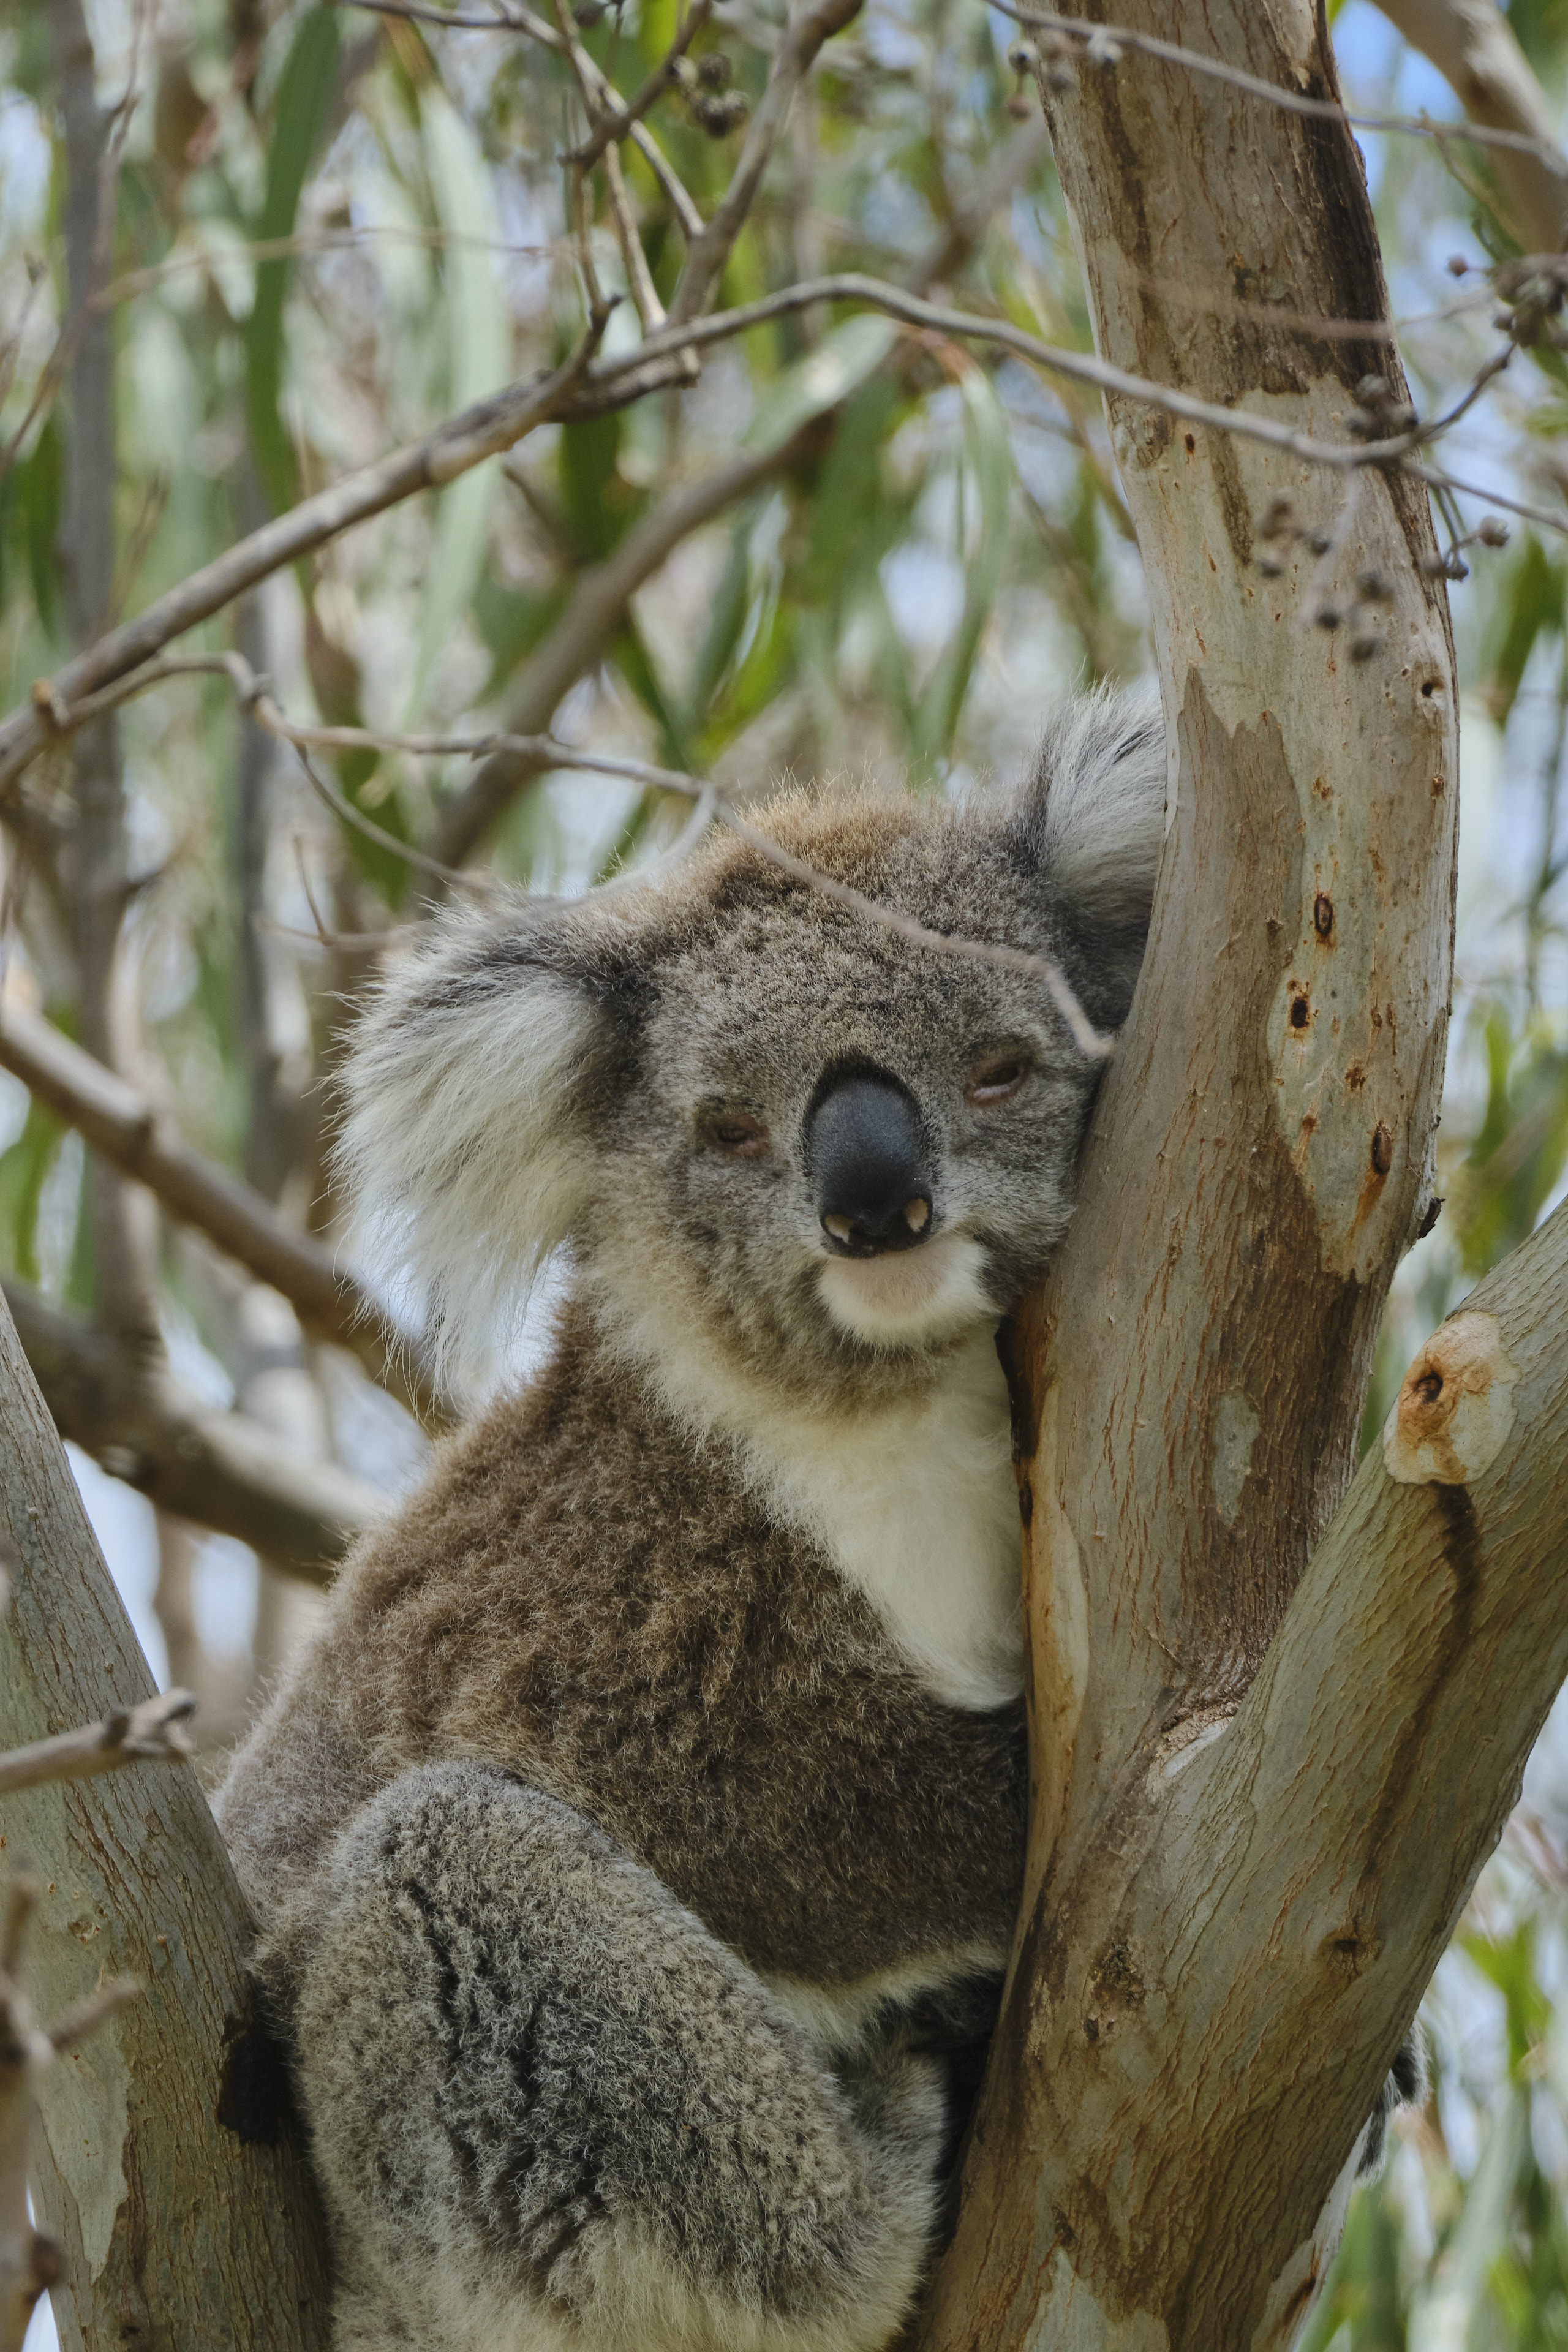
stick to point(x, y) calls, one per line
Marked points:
point(467, 1095)
point(1090, 822)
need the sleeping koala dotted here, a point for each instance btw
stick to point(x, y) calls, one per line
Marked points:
point(638, 1846)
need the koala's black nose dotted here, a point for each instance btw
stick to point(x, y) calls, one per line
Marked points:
point(863, 1149)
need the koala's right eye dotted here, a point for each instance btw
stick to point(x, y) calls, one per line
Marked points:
point(738, 1135)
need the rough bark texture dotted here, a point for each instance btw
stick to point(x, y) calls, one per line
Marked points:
point(1259, 1158)
point(168, 2171)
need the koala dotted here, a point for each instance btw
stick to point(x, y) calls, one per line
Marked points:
point(636, 1846)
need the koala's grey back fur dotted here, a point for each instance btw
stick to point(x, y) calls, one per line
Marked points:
point(638, 1843)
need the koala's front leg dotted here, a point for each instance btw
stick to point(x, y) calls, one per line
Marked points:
point(549, 2109)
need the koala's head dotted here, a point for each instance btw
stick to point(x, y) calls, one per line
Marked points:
point(770, 1129)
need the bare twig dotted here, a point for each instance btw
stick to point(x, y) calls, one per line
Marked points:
point(130, 1132)
point(85, 2017)
point(459, 443)
point(545, 753)
point(639, 277)
point(1105, 40)
point(617, 120)
point(811, 22)
point(1435, 478)
point(574, 390)
point(220, 1469)
point(510, 17)
point(155, 1730)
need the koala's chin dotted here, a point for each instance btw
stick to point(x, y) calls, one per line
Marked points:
point(912, 1298)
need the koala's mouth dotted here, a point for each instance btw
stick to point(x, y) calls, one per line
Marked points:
point(912, 1295)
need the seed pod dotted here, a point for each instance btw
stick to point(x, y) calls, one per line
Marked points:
point(1493, 533)
point(1363, 645)
point(1327, 617)
point(713, 70)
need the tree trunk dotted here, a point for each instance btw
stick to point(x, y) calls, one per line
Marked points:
point(1189, 1389)
point(169, 2168)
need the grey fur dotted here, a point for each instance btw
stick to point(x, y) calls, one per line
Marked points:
point(637, 1845)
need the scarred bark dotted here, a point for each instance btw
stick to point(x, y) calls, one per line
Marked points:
point(1165, 2117)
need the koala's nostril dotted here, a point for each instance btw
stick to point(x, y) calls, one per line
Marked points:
point(863, 1148)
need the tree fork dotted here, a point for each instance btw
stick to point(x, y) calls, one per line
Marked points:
point(1189, 1387)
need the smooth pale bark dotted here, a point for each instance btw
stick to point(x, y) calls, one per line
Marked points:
point(167, 2168)
point(1189, 1387)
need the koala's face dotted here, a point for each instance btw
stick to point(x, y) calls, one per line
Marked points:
point(827, 1144)
point(768, 1128)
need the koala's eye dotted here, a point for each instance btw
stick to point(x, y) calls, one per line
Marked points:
point(738, 1135)
point(995, 1081)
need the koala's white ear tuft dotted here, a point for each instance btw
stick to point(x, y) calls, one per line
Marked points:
point(462, 1146)
point(1090, 822)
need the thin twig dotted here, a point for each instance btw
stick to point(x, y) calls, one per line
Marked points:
point(133, 283)
point(811, 24)
point(154, 1730)
point(549, 753)
point(639, 277)
point(495, 425)
point(1437, 479)
point(1107, 38)
point(85, 2016)
point(130, 1132)
point(265, 712)
point(616, 121)
point(515, 19)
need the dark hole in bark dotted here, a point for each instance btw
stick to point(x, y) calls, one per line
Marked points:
point(1322, 914)
point(1382, 1149)
point(1429, 1387)
point(1299, 1013)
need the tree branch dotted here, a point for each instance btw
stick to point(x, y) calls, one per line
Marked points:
point(153, 1729)
point(178, 2104)
point(1475, 50)
point(216, 1468)
point(574, 391)
point(1188, 1388)
point(594, 610)
point(126, 1129)
point(812, 22)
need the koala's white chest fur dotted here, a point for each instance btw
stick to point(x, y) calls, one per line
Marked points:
point(916, 1505)
point(918, 1511)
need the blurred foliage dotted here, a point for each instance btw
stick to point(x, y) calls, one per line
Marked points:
point(332, 230)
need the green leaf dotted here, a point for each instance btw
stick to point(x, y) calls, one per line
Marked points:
point(1534, 603)
point(599, 503)
point(839, 366)
point(988, 476)
point(479, 342)
point(304, 92)
point(23, 1169)
point(38, 486)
